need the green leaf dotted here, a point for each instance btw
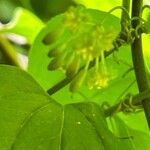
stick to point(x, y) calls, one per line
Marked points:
point(133, 120)
point(128, 136)
point(24, 23)
point(96, 116)
point(30, 119)
point(40, 51)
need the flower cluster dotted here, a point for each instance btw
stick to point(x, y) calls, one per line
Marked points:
point(87, 43)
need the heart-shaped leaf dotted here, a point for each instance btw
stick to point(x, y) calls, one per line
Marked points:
point(30, 119)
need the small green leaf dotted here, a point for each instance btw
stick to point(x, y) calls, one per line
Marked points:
point(129, 138)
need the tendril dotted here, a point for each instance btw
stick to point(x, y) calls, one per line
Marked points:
point(113, 9)
point(130, 107)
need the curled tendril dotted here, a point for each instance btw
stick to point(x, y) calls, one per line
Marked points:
point(128, 35)
point(130, 107)
point(115, 8)
point(139, 28)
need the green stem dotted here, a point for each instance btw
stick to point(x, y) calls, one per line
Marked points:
point(138, 59)
point(120, 107)
point(9, 51)
point(124, 15)
point(125, 19)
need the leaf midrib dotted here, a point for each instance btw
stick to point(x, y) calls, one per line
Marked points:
point(61, 129)
point(26, 120)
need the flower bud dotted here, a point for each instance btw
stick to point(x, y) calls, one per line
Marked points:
point(78, 80)
point(55, 52)
point(73, 67)
point(57, 62)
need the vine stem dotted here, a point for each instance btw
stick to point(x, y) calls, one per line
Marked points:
point(121, 106)
point(9, 51)
point(124, 16)
point(138, 59)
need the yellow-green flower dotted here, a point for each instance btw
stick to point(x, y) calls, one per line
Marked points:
point(88, 42)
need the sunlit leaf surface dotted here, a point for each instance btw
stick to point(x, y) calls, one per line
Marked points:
point(30, 119)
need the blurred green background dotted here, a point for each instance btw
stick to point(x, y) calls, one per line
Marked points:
point(16, 47)
point(44, 9)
